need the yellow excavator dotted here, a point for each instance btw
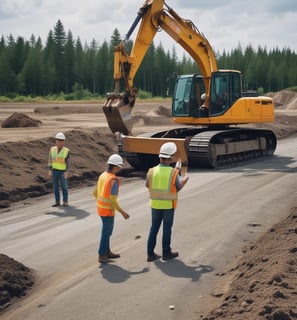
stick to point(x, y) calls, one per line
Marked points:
point(210, 105)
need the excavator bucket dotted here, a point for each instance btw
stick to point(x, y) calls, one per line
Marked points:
point(118, 114)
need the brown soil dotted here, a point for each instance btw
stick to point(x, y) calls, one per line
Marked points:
point(20, 120)
point(264, 281)
point(15, 281)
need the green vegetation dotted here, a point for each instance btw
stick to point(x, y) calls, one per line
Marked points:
point(63, 69)
point(293, 88)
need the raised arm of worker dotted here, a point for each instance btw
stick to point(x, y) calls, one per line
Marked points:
point(181, 180)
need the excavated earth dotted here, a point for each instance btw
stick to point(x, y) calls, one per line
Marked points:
point(263, 283)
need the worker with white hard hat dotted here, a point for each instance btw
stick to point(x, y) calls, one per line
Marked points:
point(58, 165)
point(163, 182)
point(60, 136)
point(167, 150)
point(106, 194)
point(115, 160)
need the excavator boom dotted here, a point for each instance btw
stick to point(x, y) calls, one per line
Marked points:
point(153, 16)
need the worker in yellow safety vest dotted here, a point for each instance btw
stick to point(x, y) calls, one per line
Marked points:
point(163, 183)
point(106, 194)
point(58, 165)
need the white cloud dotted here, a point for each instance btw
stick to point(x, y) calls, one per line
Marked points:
point(269, 23)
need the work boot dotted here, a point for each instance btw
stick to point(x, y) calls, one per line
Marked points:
point(103, 259)
point(57, 204)
point(169, 256)
point(112, 255)
point(65, 204)
point(153, 257)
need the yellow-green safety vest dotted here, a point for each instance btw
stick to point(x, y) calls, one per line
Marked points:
point(58, 160)
point(162, 187)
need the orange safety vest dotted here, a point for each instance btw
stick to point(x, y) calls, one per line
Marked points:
point(104, 207)
point(162, 187)
point(58, 160)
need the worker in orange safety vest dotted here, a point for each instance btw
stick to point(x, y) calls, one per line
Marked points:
point(106, 194)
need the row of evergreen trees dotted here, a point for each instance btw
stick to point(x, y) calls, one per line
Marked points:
point(64, 65)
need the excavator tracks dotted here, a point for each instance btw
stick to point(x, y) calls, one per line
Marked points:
point(213, 148)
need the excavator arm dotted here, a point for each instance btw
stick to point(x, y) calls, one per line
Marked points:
point(153, 14)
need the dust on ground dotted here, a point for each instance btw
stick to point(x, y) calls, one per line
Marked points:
point(262, 285)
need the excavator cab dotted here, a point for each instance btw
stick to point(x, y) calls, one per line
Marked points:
point(225, 89)
point(189, 94)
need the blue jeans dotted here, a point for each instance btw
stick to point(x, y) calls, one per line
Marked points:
point(159, 216)
point(106, 232)
point(58, 178)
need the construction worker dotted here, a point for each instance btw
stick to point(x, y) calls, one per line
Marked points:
point(163, 183)
point(58, 165)
point(106, 193)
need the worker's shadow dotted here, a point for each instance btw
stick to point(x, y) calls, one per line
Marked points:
point(115, 274)
point(70, 211)
point(176, 268)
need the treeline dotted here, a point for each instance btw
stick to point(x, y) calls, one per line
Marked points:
point(65, 67)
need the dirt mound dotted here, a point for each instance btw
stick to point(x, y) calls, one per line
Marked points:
point(265, 279)
point(20, 120)
point(163, 111)
point(284, 126)
point(156, 116)
point(25, 175)
point(15, 280)
point(285, 99)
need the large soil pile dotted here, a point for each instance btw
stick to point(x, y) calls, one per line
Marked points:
point(18, 120)
point(265, 279)
point(15, 281)
point(264, 282)
point(25, 175)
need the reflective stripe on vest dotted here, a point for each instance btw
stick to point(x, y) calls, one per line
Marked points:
point(58, 159)
point(104, 207)
point(162, 188)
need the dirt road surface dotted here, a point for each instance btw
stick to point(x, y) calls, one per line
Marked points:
point(219, 213)
point(61, 244)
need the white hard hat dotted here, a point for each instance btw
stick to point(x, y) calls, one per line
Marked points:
point(167, 150)
point(203, 97)
point(115, 160)
point(60, 136)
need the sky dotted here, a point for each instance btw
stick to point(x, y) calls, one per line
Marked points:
point(225, 23)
